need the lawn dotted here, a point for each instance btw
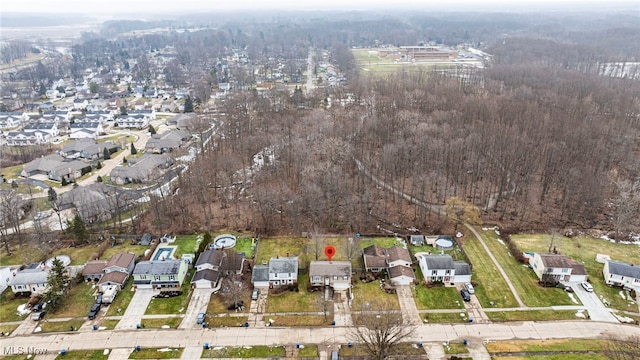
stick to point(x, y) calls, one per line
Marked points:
point(489, 284)
point(456, 348)
point(295, 301)
point(125, 247)
point(173, 305)
point(21, 254)
point(534, 315)
point(186, 244)
point(437, 297)
point(108, 324)
point(444, 318)
point(584, 250)
point(366, 294)
point(308, 351)
point(9, 306)
point(302, 320)
point(79, 255)
point(523, 278)
point(60, 326)
point(281, 246)
point(7, 329)
point(554, 357)
point(385, 242)
point(172, 322)
point(358, 350)
point(547, 345)
point(76, 303)
point(162, 353)
point(218, 303)
point(122, 300)
point(226, 321)
point(83, 355)
point(265, 352)
point(246, 246)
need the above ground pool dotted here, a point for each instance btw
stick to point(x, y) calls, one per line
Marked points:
point(444, 243)
point(224, 241)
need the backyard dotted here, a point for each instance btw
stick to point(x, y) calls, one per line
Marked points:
point(522, 277)
point(280, 246)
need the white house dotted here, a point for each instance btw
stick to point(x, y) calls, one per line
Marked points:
point(283, 271)
point(557, 267)
point(622, 274)
point(84, 130)
point(21, 138)
point(32, 279)
point(442, 268)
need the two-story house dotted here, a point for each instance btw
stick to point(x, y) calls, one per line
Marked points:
point(558, 268)
point(396, 260)
point(442, 269)
point(208, 269)
point(162, 274)
point(117, 270)
point(283, 271)
point(32, 279)
point(622, 274)
point(335, 274)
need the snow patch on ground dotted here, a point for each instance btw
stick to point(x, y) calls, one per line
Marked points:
point(165, 349)
point(623, 295)
point(580, 314)
point(573, 298)
point(624, 319)
point(501, 241)
point(23, 310)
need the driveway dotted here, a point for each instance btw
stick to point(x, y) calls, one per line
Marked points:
point(341, 310)
point(474, 309)
point(595, 307)
point(198, 303)
point(410, 315)
point(136, 309)
point(257, 308)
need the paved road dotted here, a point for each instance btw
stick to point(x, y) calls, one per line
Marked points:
point(410, 315)
point(595, 307)
point(237, 336)
point(136, 309)
point(198, 303)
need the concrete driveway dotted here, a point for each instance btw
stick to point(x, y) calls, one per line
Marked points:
point(198, 303)
point(595, 307)
point(474, 309)
point(136, 309)
point(410, 315)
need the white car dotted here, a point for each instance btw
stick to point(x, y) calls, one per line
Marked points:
point(470, 288)
point(587, 286)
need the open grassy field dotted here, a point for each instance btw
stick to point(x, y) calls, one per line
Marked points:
point(534, 315)
point(443, 318)
point(218, 304)
point(367, 294)
point(490, 286)
point(83, 355)
point(172, 305)
point(162, 353)
point(9, 306)
point(61, 326)
point(265, 352)
point(523, 278)
point(584, 250)
point(279, 246)
point(370, 62)
point(295, 301)
point(76, 303)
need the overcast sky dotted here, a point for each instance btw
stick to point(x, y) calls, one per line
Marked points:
point(104, 7)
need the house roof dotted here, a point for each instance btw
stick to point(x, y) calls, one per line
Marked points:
point(374, 257)
point(401, 270)
point(33, 274)
point(374, 250)
point(164, 267)
point(283, 265)
point(624, 269)
point(123, 260)
point(45, 163)
point(94, 267)
point(329, 268)
point(207, 274)
point(115, 277)
point(233, 261)
point(211, 256)
point(260, 273)
point(397, 253)
point(435, 262)
point(417, 238)
point(555, 261)
point(462, 268)
point(77, 145)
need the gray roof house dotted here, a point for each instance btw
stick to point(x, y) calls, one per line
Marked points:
point(336, 274)
point(622, 274)
point(163, 274)
point(167, 141)
point(73, 149)
point(144, 169)
point(283, 271)
point(41, 165)
point(442, 268)
point(31, 279)
point(260, 276)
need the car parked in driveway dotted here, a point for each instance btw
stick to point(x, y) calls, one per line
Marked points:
point(201, 317)
point(37, 316)
point(465, 295)
point(469, 288)
point(94, 311)
point(254, 294)
point(587, 286)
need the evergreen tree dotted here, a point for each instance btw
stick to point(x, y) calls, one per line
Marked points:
point(99, 165)
point(106, 154)
point(123, 110)
point(78, 229)
point(99, 179)
point(57, 284)
point(133, 149)
point(52, 195)
point(188, 105)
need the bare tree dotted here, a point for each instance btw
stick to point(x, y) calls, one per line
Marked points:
point(381, 331)
point(232, 289)
point(623, 349)
point(626, 204)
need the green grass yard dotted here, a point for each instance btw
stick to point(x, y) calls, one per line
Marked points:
point(9, 306)
point(370, 294)
point(265, 352)
point(444, 318)
point(122, 300)
point(60, 326)
point(186, 244)
point(280, 246)
point(437, 297)
point(172, 305)
point(161, 353)
point(76, 303)
point(295, 301)
point(534, 315)
point(83, 355)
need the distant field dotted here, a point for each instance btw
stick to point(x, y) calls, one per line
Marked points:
point(368, 62)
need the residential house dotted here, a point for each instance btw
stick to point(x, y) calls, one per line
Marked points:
point(141, 170)
point(183, 121)
point(31, 279)
point(558, 268)
point(622, 274)
point(79, 104)
point(49, 128)
point(93, 270)
point(260, 276)
point(167, 141)
point(98, 201)
point(375, 258)
point(401, 275)
point(21, 138)
point(398, 256)
point(208, 269)
point(84, 129)
point(69, 171)
point(73, 149)
point(335, 274)
point(441, 268)
point(10, 120)
point(162, 274)
point(133, 121)
point(96, 150)
point(283, 271)
point(117, 270)
point(41, 166)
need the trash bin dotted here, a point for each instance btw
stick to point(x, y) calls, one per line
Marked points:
point(349, 344)
point(464, 341)
point(63, 352)
point(206, 345)
point(333, 323)
point(420, 344)
point(137, 326)
point(137, 347)
point(95, 327)
point(246, 324)
point(297, 345)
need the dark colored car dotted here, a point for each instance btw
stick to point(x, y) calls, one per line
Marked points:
point(465, 295)
point(37, 307)
point(94, 311)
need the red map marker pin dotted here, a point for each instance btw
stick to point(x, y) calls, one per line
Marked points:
point(329, 251)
